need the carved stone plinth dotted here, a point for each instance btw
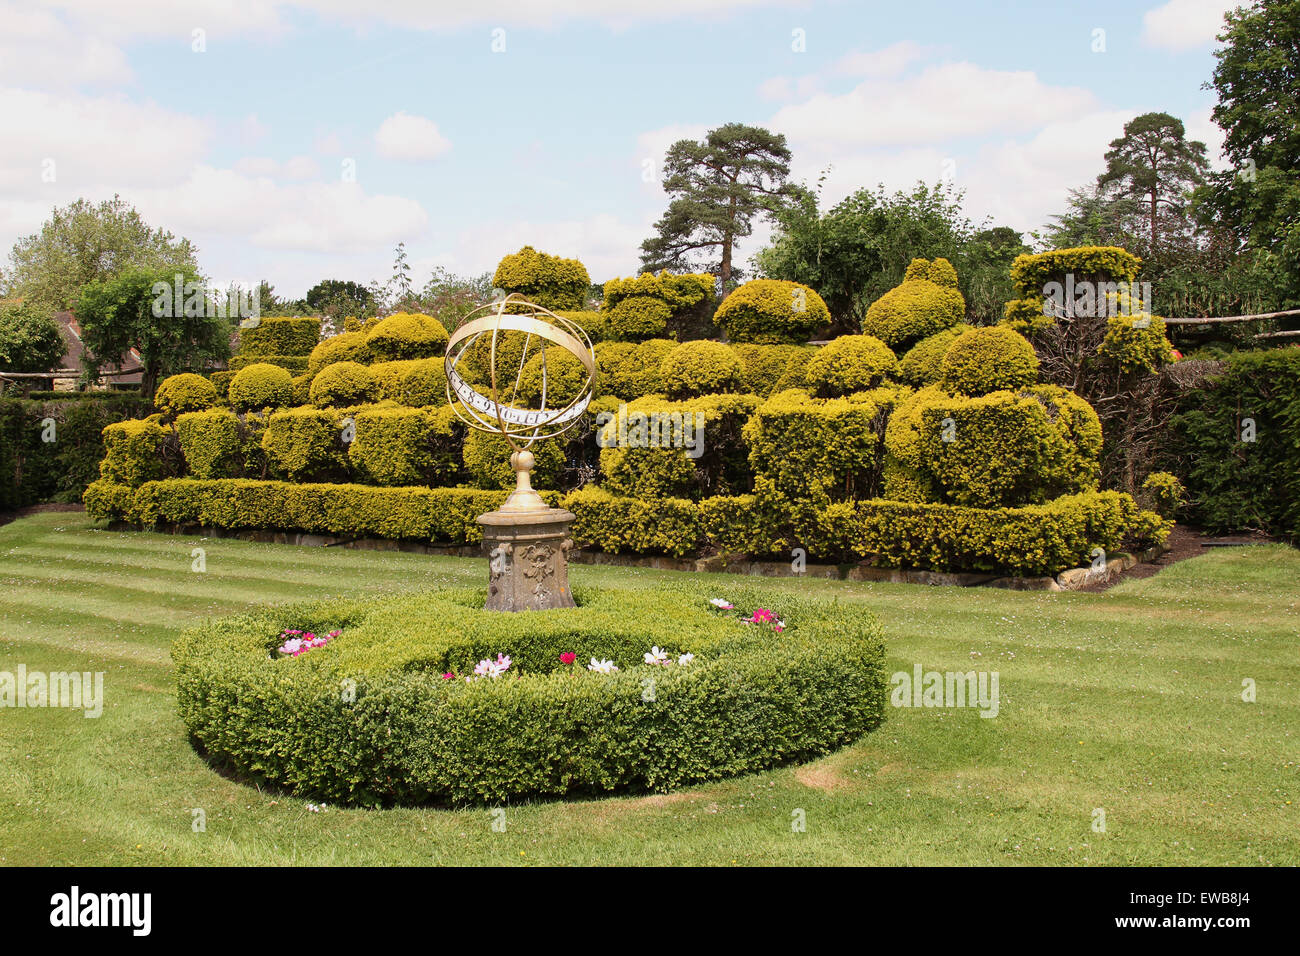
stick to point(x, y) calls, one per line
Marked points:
point(528, 564)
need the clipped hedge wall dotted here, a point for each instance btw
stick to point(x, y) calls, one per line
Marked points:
point(403, 734)
point(406, 446)
point(280, 336)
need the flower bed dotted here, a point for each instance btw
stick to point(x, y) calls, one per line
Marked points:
point(676, 692)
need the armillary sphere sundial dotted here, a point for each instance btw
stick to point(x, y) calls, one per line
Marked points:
point(527, 540)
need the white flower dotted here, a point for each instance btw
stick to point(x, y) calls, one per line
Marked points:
point(685, 659)
point(602, 667)
point(656, 656)
point(721, 603)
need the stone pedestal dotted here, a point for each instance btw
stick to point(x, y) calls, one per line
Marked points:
point(528, 564)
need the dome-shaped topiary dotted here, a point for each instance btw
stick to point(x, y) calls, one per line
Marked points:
point(919, 307)
point(1136, 343)
point(344, 347)
point(701, 367)
point(407, 335)
point(261, 386)
point(182, 393)
point(416, 383)
point(988, 359)
point(922, 364)
point(637, 318)
point(343, 384)
point(565, 379)
point(549, 281)
point(771, 312)
point(851, 363)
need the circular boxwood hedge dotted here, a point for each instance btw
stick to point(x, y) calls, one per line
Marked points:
point(851, 363)
point(183, 393)
point(259, 386)
point(922, 364)
point(772, 312)
point(702, 367)
point(407, 335)
point(636, 318)
point(370, 719)
point(343, 384)
point(988, 360)
point(344, 347)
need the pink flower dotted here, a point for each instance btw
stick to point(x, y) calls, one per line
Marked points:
point(450, 675)
point(568, 658)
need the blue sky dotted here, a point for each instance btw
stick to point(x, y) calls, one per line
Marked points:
point(307, 137)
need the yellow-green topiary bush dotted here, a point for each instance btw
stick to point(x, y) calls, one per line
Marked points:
point(405, 446)
point(343, 384)
point(850, 363)
point(926, 302)
point(566, 377)
point(210, 442)
point(415, 382)
point(182, 393)
point(261, 386)
point(640, 307)
point(344, 347)
point(771, 312)
point(1136, 343)
point(549, 281)
point(773, 368)
point(406, 335)
point(135, 451)
point(628, 370)
point(487, 461)
point(699, 368)
point(306, 444)
point(637, 318)
point(987, 360)
point(280, 335)
point(922, 364)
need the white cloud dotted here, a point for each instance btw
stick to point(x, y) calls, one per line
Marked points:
point(410, 138)
point(943, 103)
point(889, 61)
point(30, 40)
point(1186, 24)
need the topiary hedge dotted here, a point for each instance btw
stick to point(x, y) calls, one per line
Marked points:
point(417, 383)
point(344, 347)
point(700, 368)
point(406, 335)
point(306, 444)
point(922, 364)
point(986, 360)
point(406, 446)
point(182, 393)
point(637, 318)
point(370, 719)
point(261, 386)
point(280, 335)
point(850, 363)
point(343, 384)
point(772, 312)
point(629, 370)
point(925, 303)
point(549, 281)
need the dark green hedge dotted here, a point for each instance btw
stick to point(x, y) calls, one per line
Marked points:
point(33, 470)
point(368, 719)
point(1234, 484)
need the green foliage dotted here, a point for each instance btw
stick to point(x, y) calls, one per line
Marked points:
point(487, 461)
point(984, 360)
point(417, 383)
point(212, 443)
point(406, 446)
point(771, 312)
point(809, 449)
point(1007, 449)
point(259, 386)
point(1163, 493)
point(566, 377)
point(186, 392)
point(406, 336)
point(922, 364)
point(344, 347)
point(136, 451)
point(549, 281)
point(769, 369)
point(342, 384)
point(699, 368)
point(717, 188)
point(293, 364)
point(306, 445)
point(637, 525)
point(1032, 273)
point(84, 243)
point(1236, 445)
point(280, 335)
point(1136, 343)
point(747, 702)
point(30, 340)
point(659, 449)
point(629, 370)
point(918, 307)
point(637, 318)
point(850, 363)
point(122, 313)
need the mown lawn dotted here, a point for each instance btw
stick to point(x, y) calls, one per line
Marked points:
point(1129, 701)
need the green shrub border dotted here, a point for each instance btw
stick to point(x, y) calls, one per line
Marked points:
point(376, 724)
